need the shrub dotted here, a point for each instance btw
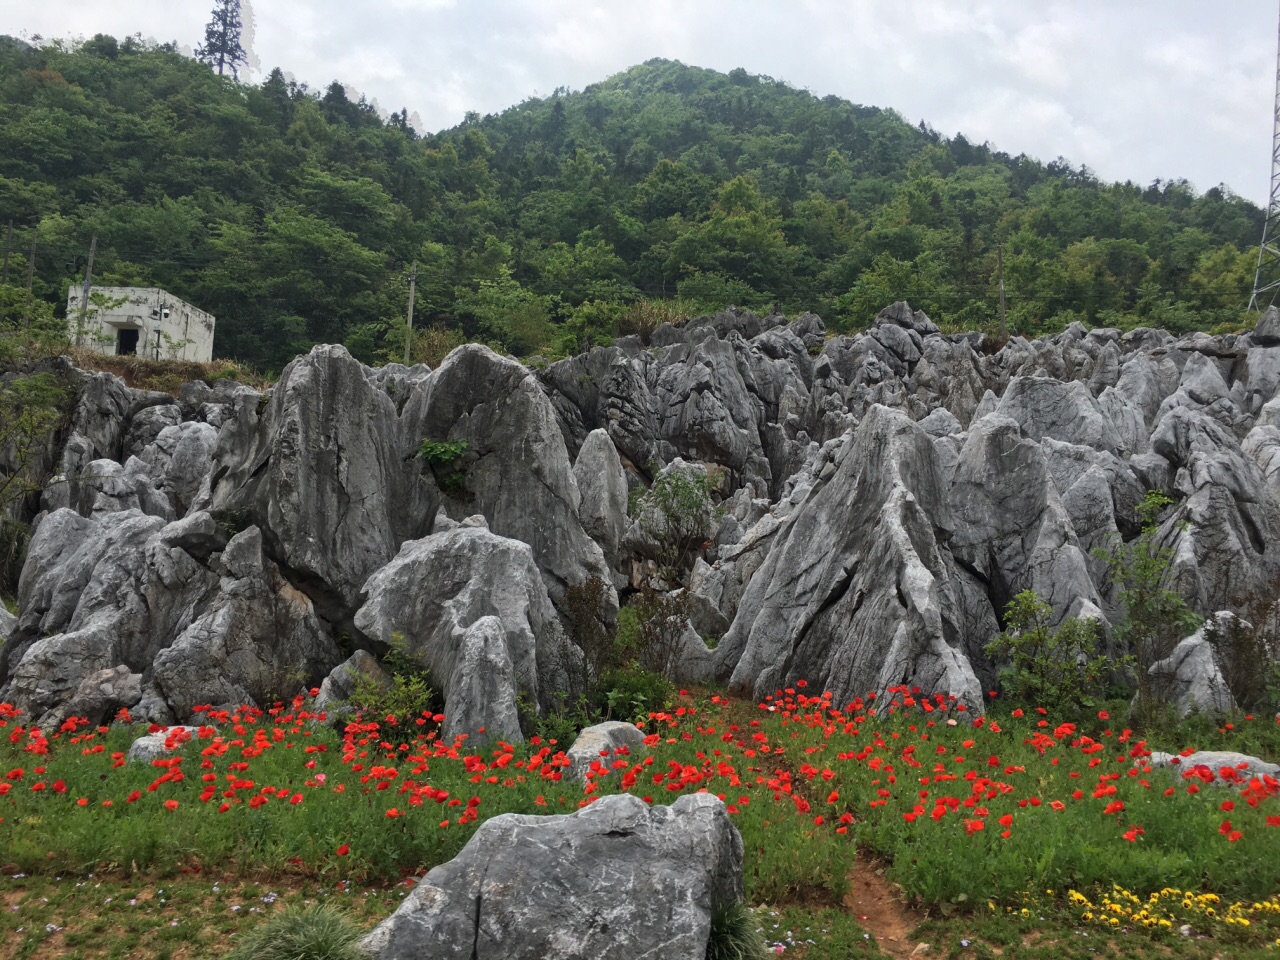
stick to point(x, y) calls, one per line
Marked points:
point(1155, 617)
point(1060, 669)
point(643, 317)
point(408, 696)
point(1247, 650)
point(651, 630)
point(677, 514)
point(442, 453)
point(444, 457)
point(317, 932)
point(734, 935)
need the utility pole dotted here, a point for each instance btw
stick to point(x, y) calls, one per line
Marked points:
point(84, 296)
point(1004, 329)
point(1266, 279)
point(8, 242)
point(408, 333)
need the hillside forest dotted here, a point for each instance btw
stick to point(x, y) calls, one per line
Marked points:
point(296, 215)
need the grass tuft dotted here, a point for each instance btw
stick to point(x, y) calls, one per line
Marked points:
point(315, 932)
point(734, 935)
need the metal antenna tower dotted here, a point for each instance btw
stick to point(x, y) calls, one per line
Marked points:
point(1266, 280)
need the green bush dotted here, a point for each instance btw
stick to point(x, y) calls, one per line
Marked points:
point(409, 694)
point(632, 693)
point(442, 453)
point(1156, 618)
point(677, 513)
point(1059, 669)
point(317, 932)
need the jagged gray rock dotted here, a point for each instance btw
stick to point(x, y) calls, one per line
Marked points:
point(602, 488)
point(481, 699)
point(596, 883)
point(99, 697)
point(474, 574)
point(321, 468)
point(258, 640)
point(821, 608)
point(1011, 529)
point(1190, 677)
point(516, 469)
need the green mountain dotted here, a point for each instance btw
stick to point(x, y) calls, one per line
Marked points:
point(294, 215)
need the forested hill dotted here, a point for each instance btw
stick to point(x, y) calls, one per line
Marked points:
point(294, 214)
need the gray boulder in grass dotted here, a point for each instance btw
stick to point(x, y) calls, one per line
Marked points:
point(602, 742)
point(617, 879)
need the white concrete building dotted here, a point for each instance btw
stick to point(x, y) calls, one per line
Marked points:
point(145, 321)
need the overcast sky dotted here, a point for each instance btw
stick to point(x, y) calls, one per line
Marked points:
point(1136, 89)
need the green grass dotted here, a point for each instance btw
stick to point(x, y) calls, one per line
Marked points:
point(284, 802)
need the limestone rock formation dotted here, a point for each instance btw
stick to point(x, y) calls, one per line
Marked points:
point(472, 575)
point(857, 592)
point(618, 879)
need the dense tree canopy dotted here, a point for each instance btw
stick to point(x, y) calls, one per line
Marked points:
point(294, 214)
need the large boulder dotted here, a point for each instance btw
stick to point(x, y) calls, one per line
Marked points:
point(435, 593)
point(320, 469)
point(95, 594)
point(516, 469)
point(205, 620)
point(856, 593)
point(1190, 678)
point(1012, 530)
point(618, 879)
point(346, 679)
point(602, 489)
point(600, 743)
point(1224, 532)
point(257, 641)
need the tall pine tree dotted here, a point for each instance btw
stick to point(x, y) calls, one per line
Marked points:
point(221, 48)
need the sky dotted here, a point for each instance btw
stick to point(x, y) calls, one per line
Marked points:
point(1136, 90)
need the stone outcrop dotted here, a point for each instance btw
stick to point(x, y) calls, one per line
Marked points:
point(484, 627)
point(858, 591)
point(881, 495)
point(1190, 678)
point(600, 743)
point(617, 879)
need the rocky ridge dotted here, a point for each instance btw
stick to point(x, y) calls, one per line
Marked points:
point(883, 496)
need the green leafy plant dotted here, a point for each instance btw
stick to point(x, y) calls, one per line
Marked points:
point(1156, 618)
point(317, 932)
point(735, 934)
point(444, 457)
point(1057, 668)
point(442, 453)
point(677, 514)
point(407, 696)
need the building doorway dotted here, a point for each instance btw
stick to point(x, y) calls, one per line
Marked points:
point(126, 342)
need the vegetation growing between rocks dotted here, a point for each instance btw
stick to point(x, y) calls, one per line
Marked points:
point(1059, 668)
point(1156, 617)
point(409, 693)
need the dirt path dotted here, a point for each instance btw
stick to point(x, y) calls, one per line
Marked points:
point(879, 908)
